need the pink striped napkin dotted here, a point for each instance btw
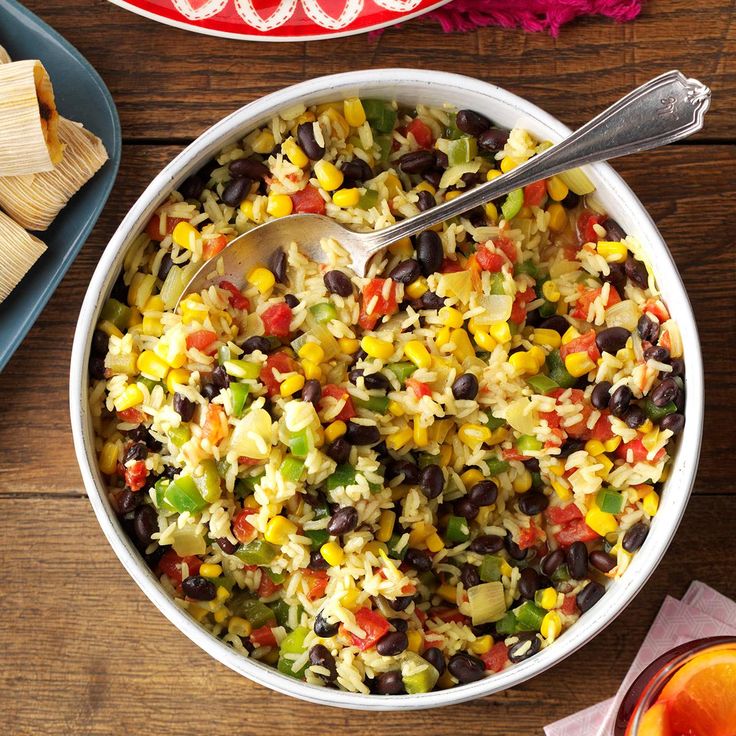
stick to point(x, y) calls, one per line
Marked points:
point(701, 612)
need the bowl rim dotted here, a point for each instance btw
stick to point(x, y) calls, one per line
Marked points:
point(620, 593)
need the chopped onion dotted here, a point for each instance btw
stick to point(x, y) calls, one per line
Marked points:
point(453, 175)
point(624, 314)
point(577, 181)
point(519, 415)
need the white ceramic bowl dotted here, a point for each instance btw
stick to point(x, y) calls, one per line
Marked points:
point(407, 86)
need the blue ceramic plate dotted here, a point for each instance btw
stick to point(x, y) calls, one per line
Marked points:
point(81, 95)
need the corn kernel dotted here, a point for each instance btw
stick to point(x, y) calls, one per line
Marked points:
point(419, 532)
point(348, 345)
point(278, 530)
point(463, 347)
point(650, 503)
point(264, 142)
point(548, 598)
point(221, 615)
point(607, 464)
point(647, 427)
point(643, 490)
point(537, 355)
point(335, 430)
point(415, 641)
point(151, 366)
point(425, 186)
point(594, 447)
point(262, 278)
point(548, 338)
point(209, 570)
point(434, 542)
point(579, 364)
point(239, 626)
point(294, 153)
point(421, 436)
point(395, 408)
point(403, 248)
point(311, 370)
point(448, 593)
point(385, 525)
point(445, 454)
point(399, 439)
point(557, 469)
point(563, 493)
point(192, 309)
point(132, 396)
point(291, 385)
point(152, 326)
point(473, 434)
point(523, 363)
point(376, 548)
point(416, 288)
point(353, 111)
point(557, 189)
point(443, 336)
point(471, 476)
point(417, 354)
point(570, 334)
point(450, 317)
point(551, 625)
point(612, 444)
point(185, 235)
point(109, 329)
point(279, 205)
point(500, 332)
point(246, 207)
point(508, 163)
point(612, 252)
point(250, 502)
point(557, 218)
point(393, 184)
point(452, 195)
point(346, 197)
point(482, 645)
point(505, 569)
point(312, 351)
point(601, 522)
point(523, 482)
point(491, 211)
point(484, 341)
point(552, 294)
point(108, 460)
point(328, 175)
point(350, 599)
point(271, 656)
point(377, 348)
point(333, 554)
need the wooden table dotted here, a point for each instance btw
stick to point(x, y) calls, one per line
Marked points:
point(82, 651)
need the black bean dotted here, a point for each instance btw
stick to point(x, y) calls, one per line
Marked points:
point(199, 588)
point(515, 552)
point(425, 201)
point(97, 367)
point(227, 546)
point(441, 159)
point(209, 391)
point(483, 493)
point(408, 469)
point(674, 422)
point(616, 277)
point(362, 434)
point(466, 508)
point(477, 217)
point(466, 668)
point(136, 451)
point(323, 628)
point(647, 328)
point(620, 400)
point(145, 524)
point(339, 450)
point(678, 367)
point(434, 656)
point(399, 624)
point(557, 323)
point(257, 342)
point(469, 576)
point(277, 265)
point(434, 177)
point(614, 231)
point(418, 559)
point(601, 560)
point(220, 377)
point(320, 656)
point(635, 536)
point(664, 393)
point(406, 271)
point(236, 191)
point(532, 503)
point(569, 446)
point(528, 583)
point(601, 395)
point(356, 170)
point(308, 141)
point(577, 560)
point(552, 561)
point(527, 646)
point(128, 501)
point(493, 139)
point(531, 464)
point(291, 301)
point(658, 353)
point(249, 167)
point(472, 122)
point(612, 339)
point(376, 381)
point(338, 283)
point(465, 387)
point(429, 252)
point(100, 342)
point(312, 391)
point(636, 272)
point(165, 266)
point(634, 416)
point(317, 562)
point(392, 643)
point(589, 596)
point(486, 544)
point(432, 481)
point(401, 603)
point(417, 162)
point(344, 520)
point(184, 407)
point(430, 300)
point(389, 683)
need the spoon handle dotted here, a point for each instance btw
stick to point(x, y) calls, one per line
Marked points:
point(665, 109)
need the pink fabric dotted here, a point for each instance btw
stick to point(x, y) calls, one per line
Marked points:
point(531, 15)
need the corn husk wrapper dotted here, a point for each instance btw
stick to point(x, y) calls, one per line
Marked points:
point(19, 250)
point(34, 200)
point(4, 56)
point(29, 138)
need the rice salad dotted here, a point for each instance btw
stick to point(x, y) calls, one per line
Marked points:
point(402, 482)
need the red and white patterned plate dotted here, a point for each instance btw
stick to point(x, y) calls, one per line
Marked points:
point(280, 20)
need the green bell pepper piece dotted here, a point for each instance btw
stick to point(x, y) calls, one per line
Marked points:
point(658, 413)
point(282, 609)
point(385, 143)
point(490, 568)
point(462, 150)
point(557, 371)
point(457, 529)
point(380, 115)
point(392, 544)
point(209, 482)
point(245, 486)
point(507, 625)
point(402, 370)
point(529, 616)
point(541, 384)
point(378, 404)
point(344, 475)
point(179, 435)
point(560, 575)
point(610, 501)
point(182, 495)
point(496, 466)
point(497, 284)
point(117, 313)
point(494, 422)
point(528, 267)
point(160, 487)
point(318, 537)
point(528, 443)
point(423, 680)
point(368, 200)
point(512, 204)
point(452, 132)
point(324, 312)
point(239, 393)
point(149, 383)
point(251, 609)
point(257, 552)
point(293, 643)
point(299, 444)
point(547, 309)
point(292, 468)
point(320, 507)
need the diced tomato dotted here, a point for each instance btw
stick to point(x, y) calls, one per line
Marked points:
point(535, 193)
point(317, 583)
point(449, 265)
point(153, 229)
point(243, 530)
point(418, 388)
point(582, 305)
point(267, 587)
point(529, 535)
point(374, 625)
point(276, 320)
point(575, 531)
point(131, 416)
point(201, 339)
point(308, 200)
point(384, 305)
point(448, 615)
point(170, 565)
point(494, 660)
point(518, 311)
point(422, 133)
point(583, 344)
point(602, 430)
point(489, 261)
point(511, 453)
point(569, 605)
point(563, 514)
point(655, 307)
point(242, 460)
point(638, 451)
point(263, 637)
point(338, 393)
point(236, 298)
point(214, 428)
point(421, 615)
point(508, 247)
point(135, 475)
point(212, 246)
point(281, 362)
point(586, 231)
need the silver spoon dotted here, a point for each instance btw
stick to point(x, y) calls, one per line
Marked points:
point(665, 109)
